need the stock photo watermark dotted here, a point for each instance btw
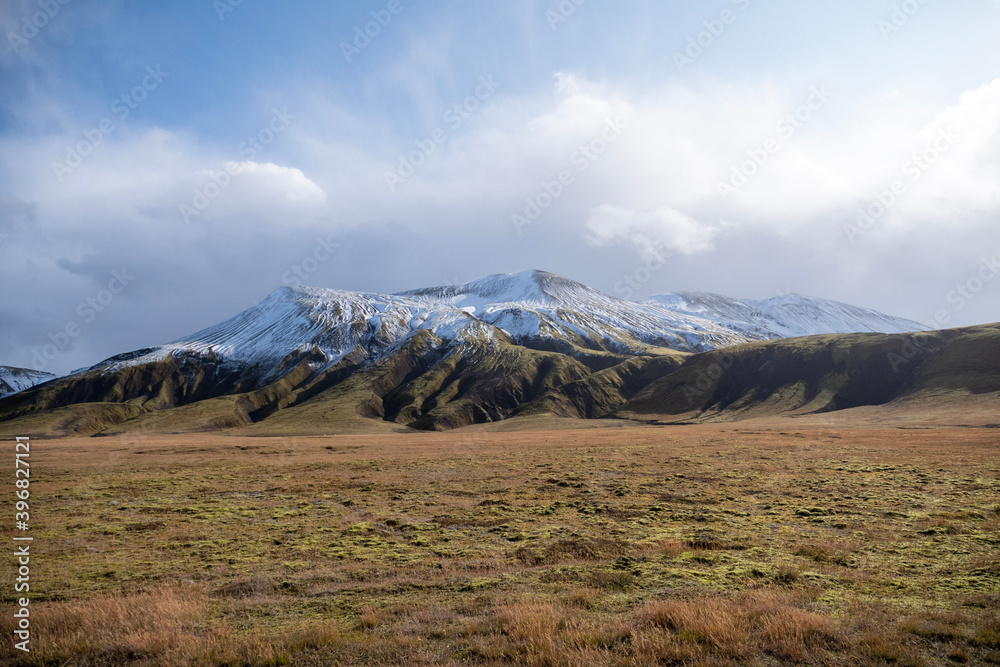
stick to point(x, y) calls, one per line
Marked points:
point(632, 283)
point(562, 12)
point(32, 24)
point(787, 128)
point(218, 181)
point(966, 291)
point(958, 298)
point(915, 345)
point(901, 15)
point(913, 170)
point(714, 28)
point(581, 159)
point(453, 118)
point(87, 310)
point(22, 542)
point(224, 7)
point(300, 272)
point(364, 34)
point(121, 107)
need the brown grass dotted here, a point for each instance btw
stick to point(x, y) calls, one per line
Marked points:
point(116, 629)
point(171, 625)
point(830, 551)
point(630, 546)
point(747, 626)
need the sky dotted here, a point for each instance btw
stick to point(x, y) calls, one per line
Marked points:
point(164, 166)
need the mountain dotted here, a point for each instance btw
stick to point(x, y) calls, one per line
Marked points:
point(535, 309)
point(13, 380)
point(540, 308)
point(785, 316)
point(917, 373)
point(537, 304)
point(322, 359)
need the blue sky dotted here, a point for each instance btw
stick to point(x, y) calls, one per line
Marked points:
point(875, 85)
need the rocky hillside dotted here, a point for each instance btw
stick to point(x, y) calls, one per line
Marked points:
point(320, 360)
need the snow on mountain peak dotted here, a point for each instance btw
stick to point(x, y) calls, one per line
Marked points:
point(533, 287)
point(525, 307)
point(784, 315)
point(14, 380)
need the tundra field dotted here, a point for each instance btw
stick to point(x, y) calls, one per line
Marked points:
point(766, 543)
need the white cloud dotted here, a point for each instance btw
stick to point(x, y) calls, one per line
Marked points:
point(655, 188)
point(967, 177)
point(658, 183)
point(567, 83)
point(259, 183)
point(650, 232)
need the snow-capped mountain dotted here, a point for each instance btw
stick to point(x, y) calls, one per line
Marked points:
point(535, 305)
point(785, 316)
point(532, 308)
point(315, 360)
point(13, 380)
point(326, 323)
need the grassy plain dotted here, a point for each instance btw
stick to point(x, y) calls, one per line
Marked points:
point(769, 544)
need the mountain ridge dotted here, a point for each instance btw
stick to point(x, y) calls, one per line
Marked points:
point(786, 315)
point(14, 379)
point(823, 374)
point(534, 308)
point(431, 358)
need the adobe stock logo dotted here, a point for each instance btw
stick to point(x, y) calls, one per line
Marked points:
point(363, 35)
point(121, 107)
point(562, 12)
point(901, 15)
point(878, 207)
point(299, 273)
point(787, 128)
point(223, 7)
point(714, 28)
point(653, 260)
point(218, 181)
point(582, 158)
point(453, 117)
point(33, 23)
point(960, 297)
point(87, 310)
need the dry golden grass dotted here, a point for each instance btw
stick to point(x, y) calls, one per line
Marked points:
point(114, 629)
point(702, 545)
point(168, 626)
point(744, 628)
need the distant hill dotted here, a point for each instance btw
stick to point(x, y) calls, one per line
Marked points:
point(821, 374)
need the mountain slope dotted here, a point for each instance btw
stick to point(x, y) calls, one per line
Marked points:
point(13, 380)
point(312, 360)
point(786, 316)
point(537, 304)
point(533, 308)
point(820, 374)
point(540, 308)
